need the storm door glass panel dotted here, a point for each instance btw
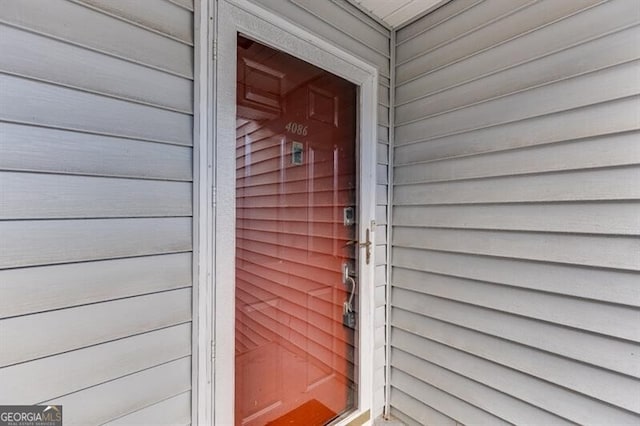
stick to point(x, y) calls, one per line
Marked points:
point(296, 211)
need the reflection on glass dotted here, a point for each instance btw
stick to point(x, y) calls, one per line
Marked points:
point(296, 210)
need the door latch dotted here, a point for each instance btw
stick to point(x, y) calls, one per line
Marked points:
point(367, 245)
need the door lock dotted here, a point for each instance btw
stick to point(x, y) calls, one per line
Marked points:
point(349, 216)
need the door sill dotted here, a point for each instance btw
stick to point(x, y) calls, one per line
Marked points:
point(357, 418)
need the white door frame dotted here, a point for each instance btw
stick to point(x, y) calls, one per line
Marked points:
point(231, 17)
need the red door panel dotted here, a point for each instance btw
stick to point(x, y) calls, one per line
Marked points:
point(295, 175)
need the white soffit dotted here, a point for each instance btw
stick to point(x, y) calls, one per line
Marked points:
point(396, 12)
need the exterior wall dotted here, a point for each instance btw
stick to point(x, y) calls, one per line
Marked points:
point(347, 27)
point(96, 211)
point(515, 243)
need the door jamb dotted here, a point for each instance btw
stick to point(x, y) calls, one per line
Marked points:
point(215, 189)
point(202, 349)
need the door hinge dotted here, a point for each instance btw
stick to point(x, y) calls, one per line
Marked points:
point(214, 194)
point(213, 350)
point(214, 49)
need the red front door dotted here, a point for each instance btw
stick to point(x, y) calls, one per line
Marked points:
point(296, 210)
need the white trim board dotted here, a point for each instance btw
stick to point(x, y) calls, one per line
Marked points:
point(389, 259)
point(203, 250)
point(243, 16)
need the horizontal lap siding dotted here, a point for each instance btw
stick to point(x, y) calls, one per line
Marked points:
point(348, 28)
point(96, 174)
point(516, 249)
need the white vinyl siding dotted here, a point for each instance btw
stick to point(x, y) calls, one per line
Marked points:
point(516, 221)
point(96, 124)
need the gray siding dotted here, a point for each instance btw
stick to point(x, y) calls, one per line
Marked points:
point(96, 111)
point(342, 24)
point(516, 255)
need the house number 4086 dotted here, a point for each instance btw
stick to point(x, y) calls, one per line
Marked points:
point(297, 128)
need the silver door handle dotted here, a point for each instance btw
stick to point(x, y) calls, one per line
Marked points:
point(366, 244)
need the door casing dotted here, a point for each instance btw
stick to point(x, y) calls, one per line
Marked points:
point(216, 190)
